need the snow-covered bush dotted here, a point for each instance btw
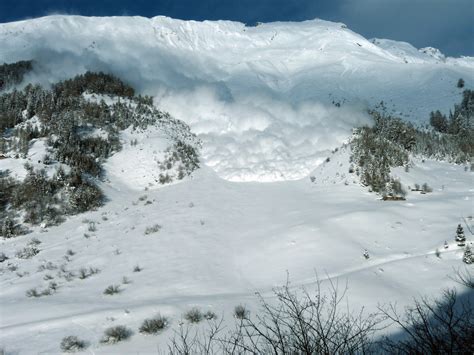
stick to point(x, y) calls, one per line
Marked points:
point(468, 257)
point(152, 229)
point(116, 334)
point(27, 252)
point(154, 325)
point(72, 343)
point(194, 315)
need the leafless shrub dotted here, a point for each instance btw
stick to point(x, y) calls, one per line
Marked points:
point(84, 273)
point(72, 343)
point(194, 315)
point(112, 290)
point(463, 277)
point(240, 312)
point(116, 334)
point(153, 229)
point(154, 325)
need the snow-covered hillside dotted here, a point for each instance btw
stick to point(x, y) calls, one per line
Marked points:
point(261, 98)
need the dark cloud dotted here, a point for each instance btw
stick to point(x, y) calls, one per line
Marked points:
point(444, 24)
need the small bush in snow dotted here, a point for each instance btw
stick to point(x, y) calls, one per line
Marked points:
point(240, 312)
point(153, 229)
point(27, 252)
point(137, 268)
point(112, 290)
point(116, 334)
point(194, 315)
point(32, 292)
point(85, 273)
point(154, 325)
point(71, 344)
point(210, 315)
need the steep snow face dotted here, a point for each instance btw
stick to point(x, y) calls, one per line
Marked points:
point(261, 98)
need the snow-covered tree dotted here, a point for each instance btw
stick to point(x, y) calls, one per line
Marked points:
point(8, 228)
point(460, 238)
point(468, 258)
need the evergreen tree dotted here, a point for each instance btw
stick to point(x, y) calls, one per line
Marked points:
point(8, 228)
point(468, 258)
point(460, 238)
point(460, 84)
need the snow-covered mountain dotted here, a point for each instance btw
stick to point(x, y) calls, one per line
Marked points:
point(272, 103)
point(261, 98)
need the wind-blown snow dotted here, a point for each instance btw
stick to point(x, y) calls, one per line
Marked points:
point(259, 97)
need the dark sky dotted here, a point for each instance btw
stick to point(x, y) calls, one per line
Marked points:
point(444, 24)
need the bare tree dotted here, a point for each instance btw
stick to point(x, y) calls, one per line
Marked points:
point(442, 326)
point(297, 322)
point(463, 277)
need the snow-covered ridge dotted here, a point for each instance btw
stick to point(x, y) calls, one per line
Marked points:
point(261, 98)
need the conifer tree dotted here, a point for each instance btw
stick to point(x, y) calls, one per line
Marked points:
point(468, 258)
point(8, 228)
point(460, 238)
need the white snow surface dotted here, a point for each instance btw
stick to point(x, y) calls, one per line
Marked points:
point(221, 241)
point(259, 97)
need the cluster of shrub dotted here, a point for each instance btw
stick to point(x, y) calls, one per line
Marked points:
point(68, 121)
point(180, 156)
point(390, 141)
point(299, 321)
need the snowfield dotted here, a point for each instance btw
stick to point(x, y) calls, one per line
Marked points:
point(221, 241)
point(266, 202)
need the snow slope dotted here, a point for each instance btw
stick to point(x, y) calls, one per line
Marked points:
point(259, 97)
point(220, 242)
